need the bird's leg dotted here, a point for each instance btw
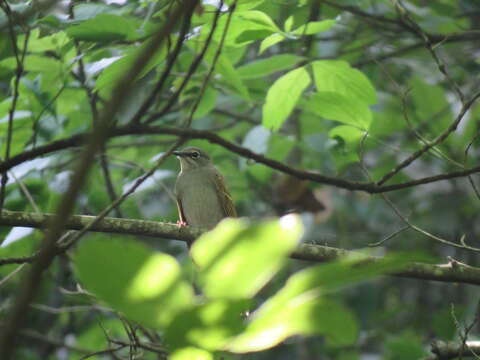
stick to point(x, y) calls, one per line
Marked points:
point(181, 223)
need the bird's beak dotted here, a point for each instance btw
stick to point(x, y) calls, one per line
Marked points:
point(179, 153)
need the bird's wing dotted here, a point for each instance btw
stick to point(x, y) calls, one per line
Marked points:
point(225, 197)
point(181, 214)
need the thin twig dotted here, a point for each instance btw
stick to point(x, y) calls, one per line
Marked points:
point(193, 67)
point(20, 58)
point(442, 137)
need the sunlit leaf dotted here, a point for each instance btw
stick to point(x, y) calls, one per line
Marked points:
point(288, 23)
point(209, 326)
point(300, 307)
point(243, 28)
point(283, 96)
point(335, 106)
point(337, 76)
point(270, 41)
point(314, 27)
point(244, 4)
point(191, 353)
point(308, 314)
point(145, 285)
point(260, 19)
point(348, 134)
point(268, 66)
point(227, 268)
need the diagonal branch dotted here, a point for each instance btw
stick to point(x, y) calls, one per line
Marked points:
point(212, 137)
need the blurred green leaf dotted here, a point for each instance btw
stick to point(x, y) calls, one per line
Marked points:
point(226, 268)
point(314, 27)
point(270, 41)
point(283, 96)
point(268, 66)
point(305, 315)
point(231, 76)
point(349, 134)
point(207, 102)
point(145, 285)
point(405, 346)
point(40, 44)
point(260, 19)
point(85, 11)
point(49, 67)
point(109, 77)
point(287, 26)
point(301, 308)
point(103, 28)
point(208, 326)
point(191, 353)
point(244, 4)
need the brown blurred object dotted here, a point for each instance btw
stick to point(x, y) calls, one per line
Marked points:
point(199, 9)
point(294, 195)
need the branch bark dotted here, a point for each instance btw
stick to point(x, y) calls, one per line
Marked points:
point(369, 187)
point(453, 271)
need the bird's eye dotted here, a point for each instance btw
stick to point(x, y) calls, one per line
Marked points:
point(195, 154)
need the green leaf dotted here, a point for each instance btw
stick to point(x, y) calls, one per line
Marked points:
point(300, 307)
point(270, 41)
point(49, 67)
point(231, 76)
point(305, 315)
point(244, 4)
point(260, 19)
point(110, 75)
point(103, 28)
point(268, 66)
point(227, 268)
point(335, 106)
point(208, 326)
point(191, 353)
point(145, 285)
point(338, 76)
point(207, 102)
point(251, 35)
point(288, 24)
point(256, 25)
point(349, 134)
point(405, 346)
point(53, 42)
point(314, 27)
point(283, 96)
point(87, 11)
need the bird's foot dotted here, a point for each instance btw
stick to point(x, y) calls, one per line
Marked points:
point(181, 223)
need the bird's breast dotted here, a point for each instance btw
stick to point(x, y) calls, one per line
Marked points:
point(198, 195)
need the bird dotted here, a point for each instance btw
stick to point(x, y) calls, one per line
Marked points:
point(202, 196)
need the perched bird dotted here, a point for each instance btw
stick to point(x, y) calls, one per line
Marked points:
point(202, 197)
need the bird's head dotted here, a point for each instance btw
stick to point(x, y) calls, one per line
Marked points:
point(192, 158)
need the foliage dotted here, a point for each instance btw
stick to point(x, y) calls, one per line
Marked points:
point(362, 96)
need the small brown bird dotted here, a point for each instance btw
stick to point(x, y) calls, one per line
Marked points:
point(202, 197)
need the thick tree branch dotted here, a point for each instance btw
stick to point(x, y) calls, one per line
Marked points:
point(453, 271)
point(452, 350)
